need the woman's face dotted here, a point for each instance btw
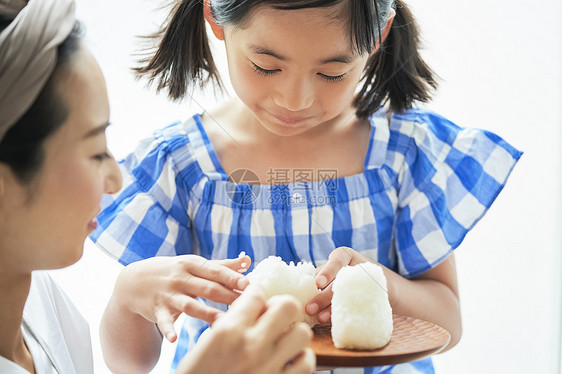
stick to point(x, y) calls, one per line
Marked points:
point(294, 69)
point(46, 223)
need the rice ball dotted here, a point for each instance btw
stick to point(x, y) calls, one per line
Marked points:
point(278, 278)
point(361, 312)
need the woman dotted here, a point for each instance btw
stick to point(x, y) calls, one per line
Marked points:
point(54, 168)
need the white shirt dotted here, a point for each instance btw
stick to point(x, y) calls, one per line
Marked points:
point(57, 335)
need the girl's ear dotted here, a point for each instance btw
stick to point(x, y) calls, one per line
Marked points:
point(385, 31)
point(217, 30)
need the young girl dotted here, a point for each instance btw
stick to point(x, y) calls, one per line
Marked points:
point(54, 167)
point(323, 156)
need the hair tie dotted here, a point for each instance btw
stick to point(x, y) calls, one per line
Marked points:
point(28, 52)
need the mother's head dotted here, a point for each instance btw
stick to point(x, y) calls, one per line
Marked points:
point(54, 163)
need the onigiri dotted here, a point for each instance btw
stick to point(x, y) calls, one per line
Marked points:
point(361, 312)
point(278, 278)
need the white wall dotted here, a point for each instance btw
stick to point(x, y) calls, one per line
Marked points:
point(500, 64)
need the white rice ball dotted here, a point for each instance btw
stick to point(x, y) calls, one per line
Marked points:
point(361, 312)
point(278, 278)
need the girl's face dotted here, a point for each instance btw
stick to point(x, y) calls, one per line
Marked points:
point(294, 69)
point(45, 224)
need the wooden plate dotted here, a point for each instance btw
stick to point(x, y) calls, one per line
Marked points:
point(412, 339)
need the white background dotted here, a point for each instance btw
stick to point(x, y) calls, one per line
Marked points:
point(500, 65)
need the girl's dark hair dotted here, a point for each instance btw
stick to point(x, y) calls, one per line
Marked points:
point(395, 74)
point(22, 146)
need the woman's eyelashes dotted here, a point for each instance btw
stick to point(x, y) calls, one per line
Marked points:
point(267, 73)
point(101, 156)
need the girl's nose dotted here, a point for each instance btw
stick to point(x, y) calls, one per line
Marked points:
point(113, 180)
point(295, 95)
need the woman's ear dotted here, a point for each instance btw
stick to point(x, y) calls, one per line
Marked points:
point(385, 31)
point(217, 30)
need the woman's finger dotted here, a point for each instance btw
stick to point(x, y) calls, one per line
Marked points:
point(282, 311)
point(303, 363)
point(292, 343)
point(245, 310)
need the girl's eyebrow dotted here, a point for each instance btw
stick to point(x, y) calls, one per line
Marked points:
point(341, 58)
point(96, 130)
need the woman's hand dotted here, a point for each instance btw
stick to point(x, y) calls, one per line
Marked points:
point(161, 288)
point(321, 304)
point(254, 337)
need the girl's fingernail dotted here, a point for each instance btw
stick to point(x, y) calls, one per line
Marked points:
point(312, 309)
point(242, 283)
point(321, 281)
point(324, 316)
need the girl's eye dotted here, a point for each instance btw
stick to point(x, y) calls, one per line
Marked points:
point(102, 156)
point(263, 71)
point(333, 78)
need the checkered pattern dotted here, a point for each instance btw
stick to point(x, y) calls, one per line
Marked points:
point(425, 185)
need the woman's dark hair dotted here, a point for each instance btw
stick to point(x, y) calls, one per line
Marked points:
point(396, 73)
point(22, 146)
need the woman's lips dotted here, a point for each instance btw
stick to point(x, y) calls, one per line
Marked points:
point(93, 224)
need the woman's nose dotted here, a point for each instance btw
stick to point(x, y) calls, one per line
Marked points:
point(295, 95)
point(113, 179)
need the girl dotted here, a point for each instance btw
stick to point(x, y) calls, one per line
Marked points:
point(322, 156)
point(54, 167)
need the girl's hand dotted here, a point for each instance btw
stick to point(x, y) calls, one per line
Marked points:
point(161, 288)
point(254, 337)
point(321, 304)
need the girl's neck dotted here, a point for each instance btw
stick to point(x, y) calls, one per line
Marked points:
point(13, 294)
point(304, 141)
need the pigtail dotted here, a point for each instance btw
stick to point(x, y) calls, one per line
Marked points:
point(183, 56)
point(396, 72)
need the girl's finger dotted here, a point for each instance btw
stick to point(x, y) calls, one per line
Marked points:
point(339, 258)
point(165, 322)
point(199, 287)
point(325, 315)
point(240, 264)
point(180, 303)
point(212, 271)
point(303, 363)
point(320, 301)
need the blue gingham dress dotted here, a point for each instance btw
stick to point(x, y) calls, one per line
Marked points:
point(425, 184)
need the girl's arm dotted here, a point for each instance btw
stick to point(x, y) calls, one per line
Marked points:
point(432, 296)
point(150, 295)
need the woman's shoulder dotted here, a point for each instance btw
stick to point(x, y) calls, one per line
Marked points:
point(57, 324)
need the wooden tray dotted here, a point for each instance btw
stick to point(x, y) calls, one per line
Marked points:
point(412, 339)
